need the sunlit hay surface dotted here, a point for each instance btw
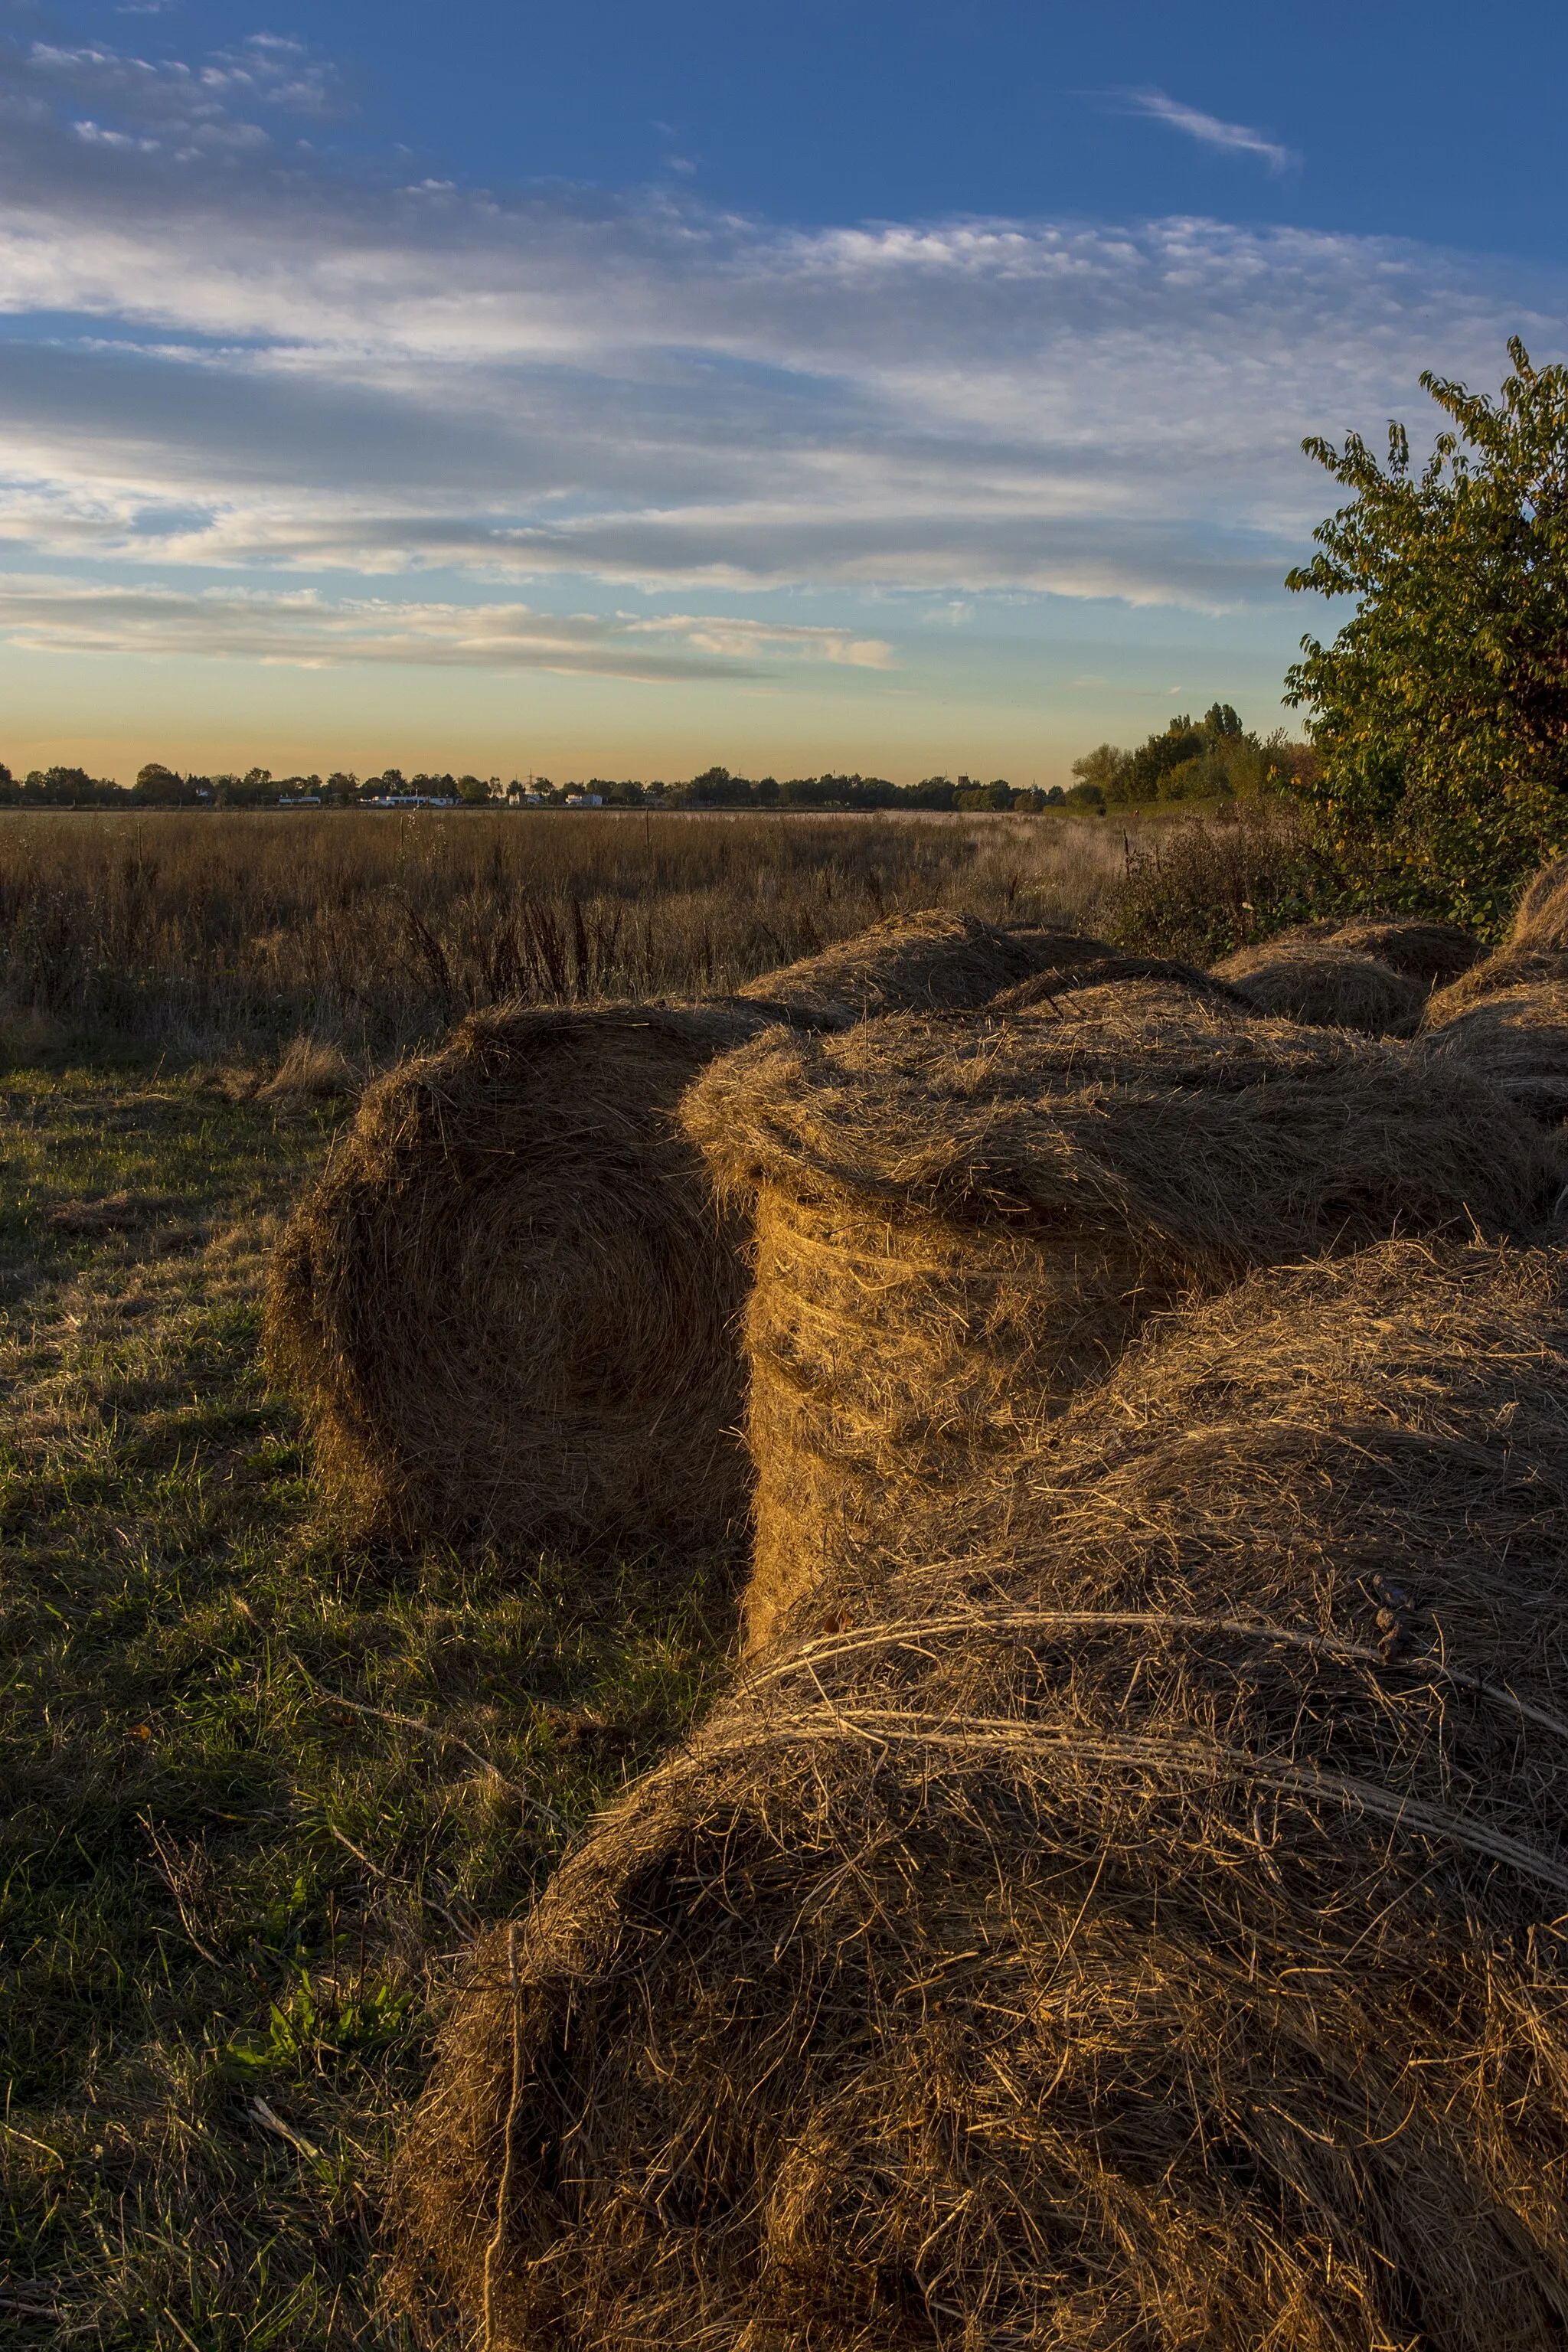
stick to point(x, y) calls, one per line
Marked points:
point(1518, 1038)
point(1432, 952)
point(1143, 1932)
point(1535, 951)
point(508, 1304)
point(1326, 986)
point(929, 958)
point(1066, 986)
point(221, 934)
point(510, 1307)
point(961, 1221)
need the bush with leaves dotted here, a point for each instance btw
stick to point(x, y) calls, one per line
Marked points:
point(1439, 713)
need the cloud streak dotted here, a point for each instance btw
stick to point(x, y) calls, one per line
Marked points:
point(45, 614)
point(1209, 129)
point(222, 355)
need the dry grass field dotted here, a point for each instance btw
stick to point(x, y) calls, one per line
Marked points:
point(260, 1788)
point(222, 936)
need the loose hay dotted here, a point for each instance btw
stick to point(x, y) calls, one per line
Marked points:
point(1535, 951)
point(1432, 952)
point(1064, 986)
point(509, 1305)
point(959, 1223)
point(1326, 986)
point(1146, 1933)
point(928, 961)
point(1517, 1038)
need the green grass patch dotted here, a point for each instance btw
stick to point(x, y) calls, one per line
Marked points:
point(258, 1787)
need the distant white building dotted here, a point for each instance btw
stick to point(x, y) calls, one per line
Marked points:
point(585, 800)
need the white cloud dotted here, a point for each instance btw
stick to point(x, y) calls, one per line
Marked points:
point(43, 614)
point(279, 364)
point(1209, 129)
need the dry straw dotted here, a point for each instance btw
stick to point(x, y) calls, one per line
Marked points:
point(1143, 1932)
point(959, 1223)
point(1517, 1038)
point(509, 1305)
point(1536, 949)
point(1326, 986)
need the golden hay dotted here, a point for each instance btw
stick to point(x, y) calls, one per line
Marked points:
point(909, 964)
point(1535, 953)
point(509, 1300)
point(1517, 1038)
point(1327, 986)
point(1429, 951)
point(960, 1221)
point(1065, 987)
point(509, 1307)
point(1144, 1934)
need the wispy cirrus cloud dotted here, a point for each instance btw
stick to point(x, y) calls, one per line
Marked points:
point(1210, 130)
point(235, 359)
point(303, 627)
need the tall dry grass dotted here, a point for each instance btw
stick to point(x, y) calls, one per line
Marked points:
point(203, 934)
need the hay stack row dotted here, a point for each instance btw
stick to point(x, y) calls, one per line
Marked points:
point(509, 1308)
point(1119, 1901)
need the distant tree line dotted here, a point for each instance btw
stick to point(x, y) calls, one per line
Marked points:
point(157, 786)
point(1211, 759)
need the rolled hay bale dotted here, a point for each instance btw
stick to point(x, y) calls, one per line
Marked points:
point(510, 1306)
point(1145, 1933)
point(509, 1302)
point(1432, 952)
point(1065, 985)
point(1518, 1039)
point(933, 961)
point(1535, 951)
point(960, 1222)
point(1327, 987)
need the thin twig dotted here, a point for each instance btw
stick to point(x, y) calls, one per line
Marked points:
point(504, 2192)
point(274, 2122)
point(396, 1878)
point(429, 1731)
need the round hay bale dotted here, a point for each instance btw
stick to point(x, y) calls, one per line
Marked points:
point(1433, 952)
point(1534, 954)
point(509, 1302)
point(510, 1307)
point(1541, 918)
point(959, 1223)
point(1065, 986)
point(1518, 1039)
point(933, 961)
point(1326, 987)
point(1144, 1934)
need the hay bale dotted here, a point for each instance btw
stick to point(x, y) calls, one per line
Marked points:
point(1518, 1039)
point(933, 961)
point(1541, 918)
point(1326, 986)
point(959, 1223)
point(509, 1307)
point(1432, 952)
point(1065, 987)
point(509, 1303)
point(1535, 953)
point(1144, 1934)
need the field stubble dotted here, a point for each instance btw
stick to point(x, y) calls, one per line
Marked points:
point(213, 935)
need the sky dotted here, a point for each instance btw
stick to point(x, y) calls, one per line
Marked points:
point(615, 390)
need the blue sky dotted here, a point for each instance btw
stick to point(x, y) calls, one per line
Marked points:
point(618, 389)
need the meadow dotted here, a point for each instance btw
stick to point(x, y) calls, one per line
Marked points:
point(262, 1784)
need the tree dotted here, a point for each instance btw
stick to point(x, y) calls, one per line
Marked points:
point(1439, 713)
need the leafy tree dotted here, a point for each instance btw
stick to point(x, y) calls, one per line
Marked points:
point(1439, 713)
